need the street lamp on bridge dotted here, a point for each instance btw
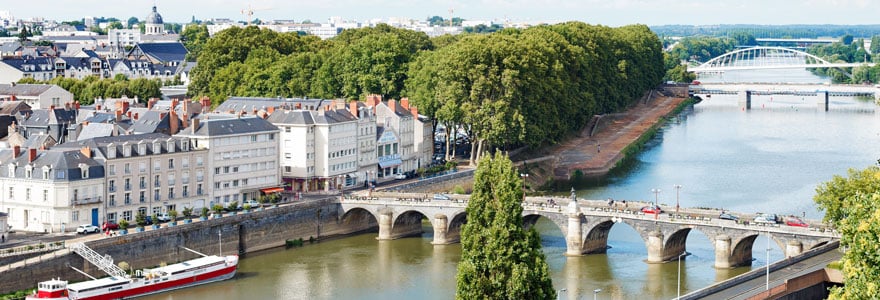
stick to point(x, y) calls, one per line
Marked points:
point(677, 189)
point(524, 176)
point(683, 254)
point(655, 208)
point(595, 293)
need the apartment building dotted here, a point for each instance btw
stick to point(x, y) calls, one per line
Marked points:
point(51, 190)
point(242, 156)
point(148, 173)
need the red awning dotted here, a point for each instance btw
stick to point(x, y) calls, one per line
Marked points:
point(272, 190)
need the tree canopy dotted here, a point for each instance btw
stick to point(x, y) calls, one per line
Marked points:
point(91, 88)
point(500, 259)
point(852, 205)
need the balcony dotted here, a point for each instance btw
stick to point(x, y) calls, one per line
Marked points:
point(85, 201)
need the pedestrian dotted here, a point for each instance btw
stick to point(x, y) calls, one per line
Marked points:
point(598, 148)
point(2, 238)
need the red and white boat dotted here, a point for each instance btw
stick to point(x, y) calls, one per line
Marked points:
point(206, 269)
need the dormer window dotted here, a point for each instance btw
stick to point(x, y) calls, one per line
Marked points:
point(84, 170)
point(11, 170)
point(46, 170)
point(142, 148)
point(184, 144)
point(111, 151)
point(126, 149)
point(29, 171)
point(157, 147)
point(170, 145)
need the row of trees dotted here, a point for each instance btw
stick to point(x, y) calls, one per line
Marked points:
point(848, 51)
point(767, 31)
point(90, 88)
point(500, 87)
point(702, 49)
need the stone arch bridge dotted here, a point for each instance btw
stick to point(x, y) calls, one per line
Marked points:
point(586, 225)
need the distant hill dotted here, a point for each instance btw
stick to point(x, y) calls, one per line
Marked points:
point(769, 31)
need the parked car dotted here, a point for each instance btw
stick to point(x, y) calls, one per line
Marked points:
point(793, 221)
point(441, 197)
point(727, 216)
point(87, 228)
point(399, 176)
point(109, 226)
point(655, 209)
point(766, 219)
point(163, 217)
point(148, 220)
point(250, 203)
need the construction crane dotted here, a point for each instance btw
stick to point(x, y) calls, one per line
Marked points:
point(249, 12)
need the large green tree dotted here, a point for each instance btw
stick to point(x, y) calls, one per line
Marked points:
point(500, 259)
point(852, 205)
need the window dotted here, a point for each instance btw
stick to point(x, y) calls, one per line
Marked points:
point(111, 200)
point(170, 193)
point(200, 161)
point(157, 165)
point(186, 191)
point(235, 182)
point(45, 173)
point(156, 195)
point(142, 167)
point(74, 216)
point(170, 163)
point(200, 176)
point(287, 155)
point(143, 182)
point(45, 195)
point(142, 197)
point(156, 181)
point(111, 186)
point(216, 185)
point(12, 193)
point(170, 179)
point(112, 169)
point(216, 171)
point(225, 169)
point(199, 189)
point(185, 162)
point(127, 168)
point(128, 184)
point(126, 215)
point(127, 198)
point(234, 169)
point(288, 169)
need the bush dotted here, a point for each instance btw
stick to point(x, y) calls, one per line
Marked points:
point(217, 208)
point(140, 219)
point(187, 212)
point(458, 190)
point(123, 224)
point(232, 206)
point(294, 243)
point(173, 214)
point(204, 212)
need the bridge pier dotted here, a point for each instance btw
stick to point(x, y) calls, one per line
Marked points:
point(441, 225)
point(722, 252)
point(793, 248)
point(385, 220)
point(745, 100)
point(823, 100)
point(574, 236)
point(655, 247)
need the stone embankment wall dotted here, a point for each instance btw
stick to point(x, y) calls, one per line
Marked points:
point(241, 234)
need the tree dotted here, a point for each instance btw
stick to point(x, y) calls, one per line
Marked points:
point(115, 25)
point(847, 39)
point(852, 205)
point(23, 34)
point(131, 22)
point(500, 259)
point(875, 44)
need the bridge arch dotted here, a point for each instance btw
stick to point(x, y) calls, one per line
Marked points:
point(408, 223)
point(744, 59)
point(741, 253)
point(359, 215)
point(531, 217)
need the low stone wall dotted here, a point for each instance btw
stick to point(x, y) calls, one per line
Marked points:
point(241, 234)
point(439, 184)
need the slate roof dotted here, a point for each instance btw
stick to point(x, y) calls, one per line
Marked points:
point(43, 117)
point(95, 130)
point(10, 47)
point(164, 52)
point(19, 62)
point(150, 121)
point(248, 104)
point(36, 141)
point(287, 117)
point(219, 125)
point(24, 89)
point(13, 107)
point(64, 164)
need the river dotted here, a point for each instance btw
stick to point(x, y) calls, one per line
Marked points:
point(769, 159)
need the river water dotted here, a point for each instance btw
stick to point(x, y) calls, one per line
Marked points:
point(769, 159)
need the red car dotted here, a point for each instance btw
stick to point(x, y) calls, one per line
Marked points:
point(652, 210)
point(796, 222)
point(109, 226)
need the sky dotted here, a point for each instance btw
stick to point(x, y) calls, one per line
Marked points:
point(605, 12)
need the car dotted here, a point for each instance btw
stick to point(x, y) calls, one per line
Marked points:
point(765, 219)
point(87, 228)
point(250, 203)
point(796, 222)
point(727, 216)
point(399, 176)
point(148, 220)
point(441, 197)
point(163, 217)
point(655, 209)
point(109, 226)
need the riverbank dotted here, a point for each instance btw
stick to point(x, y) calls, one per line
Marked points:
point(604, 143)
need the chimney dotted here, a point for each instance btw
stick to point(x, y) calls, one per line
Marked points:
point(52, 107)
point(270, 109)
point(186, 104)
point(173, 122)
point(353, 108)
point(392, 104)
point(298, 106)
point(195, 125)
point(66, 105)
point(161, 116)
point(16, 151)
point(414, 111)
point(98, 107)
point(76, 104)
point(151, 102)
point(206, 103)
point(128, 114)
point(32, 154)
point(86, 151)
point(136, 116)
point(174, 103)
point(404, 102)
point(118, 116)
point(340, 103)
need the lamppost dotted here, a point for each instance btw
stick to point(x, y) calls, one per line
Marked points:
point(524, 176)
point(677, 189)
point(559, 294)
point(595, 293)
point(683, 254)
point(656, 211)
point(767, 281)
